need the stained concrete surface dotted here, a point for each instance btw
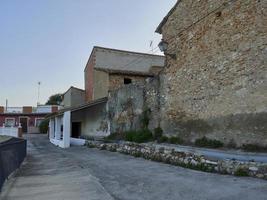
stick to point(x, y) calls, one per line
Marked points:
point(82, 173)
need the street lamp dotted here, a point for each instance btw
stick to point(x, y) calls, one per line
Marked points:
point(163, 46)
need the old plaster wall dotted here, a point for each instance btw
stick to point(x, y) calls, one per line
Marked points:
point(217, 85)
point(94, 121)
point(127, 106)
point(117, 81)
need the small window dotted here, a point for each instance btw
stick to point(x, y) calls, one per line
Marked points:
point(127, 81)
point(9, 122)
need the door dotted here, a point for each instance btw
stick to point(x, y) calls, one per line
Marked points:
point(24, 124)
point(76, 130)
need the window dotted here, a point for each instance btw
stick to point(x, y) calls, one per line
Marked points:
point(10, 122)
point(127, 81)
point(38, 121)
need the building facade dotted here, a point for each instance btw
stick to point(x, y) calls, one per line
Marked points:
point(29, 118)
point(216, 86)
point(108, 69)
point(73, 97)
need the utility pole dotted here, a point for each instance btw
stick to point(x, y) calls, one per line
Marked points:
point(6, 104)
point(38, 100)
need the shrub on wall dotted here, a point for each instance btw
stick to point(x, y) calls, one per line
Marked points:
point(176, 140)
point(241, 172)
point(145, 118)
point(205, 142)
point(43, 127)
point(254, 148)
point(158, 132)
point(163, 139)
point(140, 136)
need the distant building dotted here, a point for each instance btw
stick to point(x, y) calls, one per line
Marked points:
point(28, 117)
point(73, 97)
point(106, 70)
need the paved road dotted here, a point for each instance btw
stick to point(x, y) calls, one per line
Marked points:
point(82, 173)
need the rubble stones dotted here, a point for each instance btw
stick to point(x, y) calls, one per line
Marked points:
point(188, 160)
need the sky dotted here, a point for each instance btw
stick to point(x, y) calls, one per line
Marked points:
point(50, 41)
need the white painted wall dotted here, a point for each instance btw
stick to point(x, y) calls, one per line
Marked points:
point(77, 142)
point(9, 131)
point(66, 129)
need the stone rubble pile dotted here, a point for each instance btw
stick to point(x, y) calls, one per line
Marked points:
point(188, 160)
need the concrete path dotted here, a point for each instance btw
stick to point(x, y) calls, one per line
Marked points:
point(219, 154)
point(82, 173)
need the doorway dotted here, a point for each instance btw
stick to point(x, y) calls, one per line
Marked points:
point(76, 129)
point(24, 124)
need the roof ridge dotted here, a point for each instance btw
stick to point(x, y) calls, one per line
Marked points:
point(126, 51)
point(159, 28)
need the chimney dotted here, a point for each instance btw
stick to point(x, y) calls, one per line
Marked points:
point(54, 109)
point(27, 110)
point(2, 109)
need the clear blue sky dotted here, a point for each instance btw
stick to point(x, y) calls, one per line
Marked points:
point(50, 40)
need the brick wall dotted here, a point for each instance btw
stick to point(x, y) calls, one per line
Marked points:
point(217, 85)
point(27, 109)
point(88, 78)
point(2, 109)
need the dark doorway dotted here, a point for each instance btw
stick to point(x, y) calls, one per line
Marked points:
point(24, 124)
point(76, 130)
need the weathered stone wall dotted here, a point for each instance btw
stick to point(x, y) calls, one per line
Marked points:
point(127, 106)
point(117, 81)
point(217, 85)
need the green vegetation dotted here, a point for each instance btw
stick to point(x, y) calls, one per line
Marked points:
point(205, 142)
point(175, 140)
point(254, 148)
point(162, 139)
point(158, 135)
point(55, 99)
point(43, 127)
point(199, 167)
point(241, 172)
point(158, 132)
point(145, 118)
point(140, 136)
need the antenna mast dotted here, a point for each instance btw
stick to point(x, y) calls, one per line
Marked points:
point(39, 85)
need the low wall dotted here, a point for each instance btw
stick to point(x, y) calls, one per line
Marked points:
point(9, 131)
point(12, 154)
point(188, 160)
